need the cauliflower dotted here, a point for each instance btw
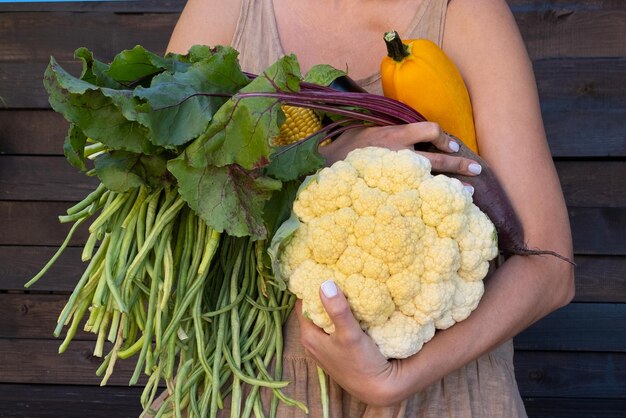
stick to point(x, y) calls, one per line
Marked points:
point(408, 249)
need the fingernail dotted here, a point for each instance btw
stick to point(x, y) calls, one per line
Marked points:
point(454, 147)
point(329, 289)
point(475, 168)
point(470, 189)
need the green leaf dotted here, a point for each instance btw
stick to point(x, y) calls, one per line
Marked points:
point(94, 71)
point(241, 129)
point(139, 65)
point(177, 113)
point(229, 199)
point(296, 160)
point(121, 171)
point(101, 113)
point(323, 74)
point(74, 147)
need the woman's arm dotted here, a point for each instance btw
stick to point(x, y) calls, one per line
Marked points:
point(204, 22)
point(481, 36)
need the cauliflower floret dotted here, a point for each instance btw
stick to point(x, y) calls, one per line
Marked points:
point(407, 202)
point(441, 257)
point(369, 299)
point(330, 192)
point(305, 283)
point(323, 249)
point(296, 252)
point(478, 244)
point(366, 200)
point(401, 336)
point(408, 250)
point(433, 300)
point(466, 298)
point(444, 201)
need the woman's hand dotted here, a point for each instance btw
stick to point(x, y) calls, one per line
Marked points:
point(399, 137)
point(348, 355)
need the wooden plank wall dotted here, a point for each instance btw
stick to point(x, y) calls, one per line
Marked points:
point(571, 364)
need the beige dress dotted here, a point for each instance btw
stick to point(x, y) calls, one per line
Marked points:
point(485, 388)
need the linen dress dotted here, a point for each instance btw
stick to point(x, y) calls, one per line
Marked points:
point(485, 388)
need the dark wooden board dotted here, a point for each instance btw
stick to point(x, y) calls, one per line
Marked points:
point(593, 183)
point(38, 362)
point(586, 133)
point(575, 408)
point(581, 83)
point(571, 375)
point(571, 133)
point(578, 327)
point(19, 264)
point(59, 34)
point(34, 316)
point(65, 401)
point(36, 223)
point(585, 183)
point(535, 5)
point(125, 6)
point(43, 178)
point(568, 32)
point(598, 231)
point(32, 132)
point(600, 279)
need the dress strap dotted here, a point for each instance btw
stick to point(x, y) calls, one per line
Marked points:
point(256, 35)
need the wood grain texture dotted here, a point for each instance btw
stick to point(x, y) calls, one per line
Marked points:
point(43, 178)
point(575, 408)
point(51, 178)
point(65, 401)
point(128, 6)
point(32, 132)
point(36, 223)
point(37, 362)
point(571, 375)
point(34, 316)
point(578, 327)
point(20, 263)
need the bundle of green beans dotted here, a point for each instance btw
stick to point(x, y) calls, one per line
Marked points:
point(199, 310)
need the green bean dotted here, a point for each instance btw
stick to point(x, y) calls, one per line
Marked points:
point(132, 217)
point(88, 200)
point(115, 323)
point(148, 331)
point(102, 329)
point(113, 352)
point(217, 360)
point(168, 274)
point(109, 211)
point(234, 326)
point(152, 236)
point(71, 332)
point(56, 255)
point(250, 380)
point(182, 373)
point(209, 250)
point(155, 198)
point(321, 377)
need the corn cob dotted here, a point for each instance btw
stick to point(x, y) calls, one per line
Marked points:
point(299, 123)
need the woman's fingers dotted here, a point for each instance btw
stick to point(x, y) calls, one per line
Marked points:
point(443, 163)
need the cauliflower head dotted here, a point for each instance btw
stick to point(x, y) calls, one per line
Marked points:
point(408, 249)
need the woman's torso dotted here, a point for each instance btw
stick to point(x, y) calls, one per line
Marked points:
point(267, 29)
